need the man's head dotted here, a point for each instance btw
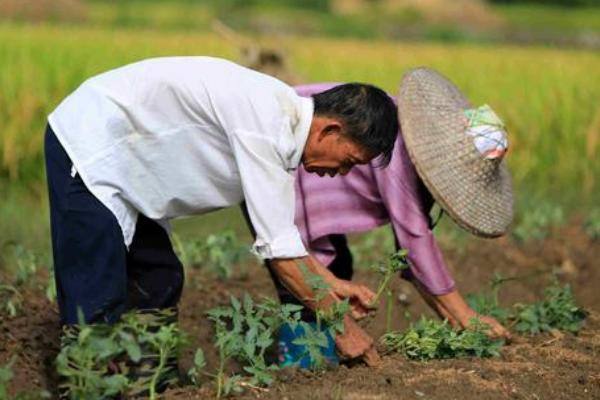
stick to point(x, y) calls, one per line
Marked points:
point(352, 124)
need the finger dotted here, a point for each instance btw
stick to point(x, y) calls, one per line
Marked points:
point(365, 296)
point(504, 333)
point(371, 358)
point(359, 313)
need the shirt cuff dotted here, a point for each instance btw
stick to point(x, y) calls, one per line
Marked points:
point(287, 245)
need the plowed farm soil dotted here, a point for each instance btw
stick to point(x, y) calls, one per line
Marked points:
point(547, 366)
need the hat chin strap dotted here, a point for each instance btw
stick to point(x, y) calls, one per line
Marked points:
point(432, 223)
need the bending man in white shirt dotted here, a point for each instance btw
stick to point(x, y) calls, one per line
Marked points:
point(163, 138)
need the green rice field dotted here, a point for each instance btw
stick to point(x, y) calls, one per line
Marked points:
point(548, 97)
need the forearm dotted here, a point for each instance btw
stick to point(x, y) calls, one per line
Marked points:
point(450, 306)
point(292, 277)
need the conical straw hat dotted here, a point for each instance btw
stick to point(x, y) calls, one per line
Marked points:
point(474, 190)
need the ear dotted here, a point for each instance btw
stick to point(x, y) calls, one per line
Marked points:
point(328, 127)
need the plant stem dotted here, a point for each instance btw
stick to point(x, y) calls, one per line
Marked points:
point(390, 306)
point(220, 373)
point(156, 375)
point(382, 287)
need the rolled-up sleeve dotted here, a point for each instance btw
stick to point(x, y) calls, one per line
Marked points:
point(269, 194)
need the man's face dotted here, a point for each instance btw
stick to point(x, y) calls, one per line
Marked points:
point(328, 152)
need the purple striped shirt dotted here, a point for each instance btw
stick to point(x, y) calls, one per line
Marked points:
point(368, 197)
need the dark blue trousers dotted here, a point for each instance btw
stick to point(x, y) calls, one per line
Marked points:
point(94, 270)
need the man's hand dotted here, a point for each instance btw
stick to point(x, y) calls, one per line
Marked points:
point(360, 296)
point(355, 342)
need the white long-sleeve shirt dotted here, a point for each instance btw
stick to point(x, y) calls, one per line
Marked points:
point(177, 136)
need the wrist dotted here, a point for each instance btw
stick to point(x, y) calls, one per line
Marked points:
point(453, 307)
point(464, 316)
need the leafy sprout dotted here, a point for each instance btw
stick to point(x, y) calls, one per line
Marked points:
point(24, 263)
point(488, 304)
point(396, 263)
point(328, 321)
point(556, 311)
point(99, 361)
point(430, 339)
point(244, 332)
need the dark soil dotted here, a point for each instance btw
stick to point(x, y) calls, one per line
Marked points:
point(558, 366)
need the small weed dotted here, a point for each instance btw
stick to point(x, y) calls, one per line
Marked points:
point(556, 311)
point(430, 339)
point(537, 223)
point(6, 375)
point(592, 224)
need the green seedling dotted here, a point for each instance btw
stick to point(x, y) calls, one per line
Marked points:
point(218, 253)
point(396, 263)
point(329, 321)
point(6, 376)
point(244, 332)
point(96, 361)
point(25, 266)
point(431, 339)
point(488, 303)
point(537, 222)
point(592, 224)
point(10, 299)
point(556, 311)
point(51, 287)
point(188, 251)
point(198, 367)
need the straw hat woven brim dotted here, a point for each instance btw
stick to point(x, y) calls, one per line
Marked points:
point(476, 192)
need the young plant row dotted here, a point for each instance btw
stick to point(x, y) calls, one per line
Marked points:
point(15, 279)
point(432, 339)
point(217, 253)
point(557, 310)
point(132, 356)
point(135, 356)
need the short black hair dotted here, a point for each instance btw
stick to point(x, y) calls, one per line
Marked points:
point(367, 113)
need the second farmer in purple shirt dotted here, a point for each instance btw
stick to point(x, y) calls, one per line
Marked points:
point(368, 197)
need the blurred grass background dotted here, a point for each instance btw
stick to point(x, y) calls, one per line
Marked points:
point(537, 65)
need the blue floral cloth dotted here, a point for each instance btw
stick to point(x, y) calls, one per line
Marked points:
point(290, 354)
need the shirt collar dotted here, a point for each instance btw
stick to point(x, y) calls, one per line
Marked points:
point(302, 127)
